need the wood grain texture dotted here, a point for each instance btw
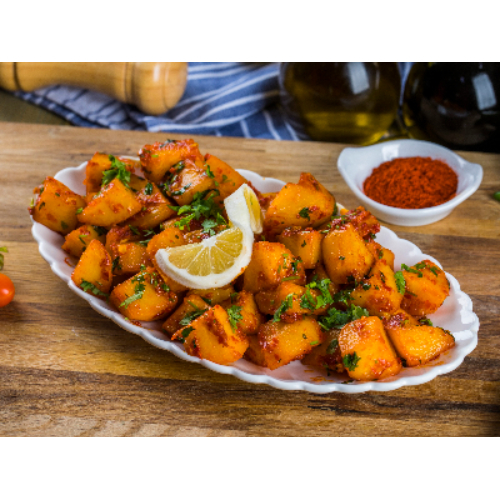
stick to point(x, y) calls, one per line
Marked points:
point(66, 371)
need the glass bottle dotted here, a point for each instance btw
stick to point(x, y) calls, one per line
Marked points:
point(454, 104)
point(351, 102)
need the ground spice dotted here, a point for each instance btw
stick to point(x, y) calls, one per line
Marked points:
point(414, 182)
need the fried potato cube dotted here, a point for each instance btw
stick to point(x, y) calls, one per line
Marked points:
point(193, 225)
point(426, 288)
point(113, 204)
point(144, 297)
point(272, 263)
point(417, 344)
point(95, 168)
point(192, 306)
point(216, 295)
point(319, 274)
point(227, 180)
point(93, 271)
point(327, 355)
point(288, 298)
point(305, 244)
point(125, 249)
point(56, 207)
point(159, 158)
point(155, 208)
point(243, 312)
point(77, 241)
point(306, 204)
point(279, 343)
point(381, 253)
point(345, 255)
point(366, 351)
point(212, 337)
point(378, 293)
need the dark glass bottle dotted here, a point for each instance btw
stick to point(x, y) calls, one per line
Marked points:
point(454, 104)
point(340, 102)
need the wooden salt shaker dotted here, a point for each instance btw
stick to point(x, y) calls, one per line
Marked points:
point(153, 87)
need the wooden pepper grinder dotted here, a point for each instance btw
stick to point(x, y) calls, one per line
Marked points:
point(153, 87)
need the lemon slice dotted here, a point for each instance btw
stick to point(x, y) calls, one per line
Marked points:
point(243, 208)
point(212, 263)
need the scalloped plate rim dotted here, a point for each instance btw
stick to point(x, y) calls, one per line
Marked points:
point(355, 388)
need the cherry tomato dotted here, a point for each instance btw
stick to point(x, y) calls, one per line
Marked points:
point(7, 290)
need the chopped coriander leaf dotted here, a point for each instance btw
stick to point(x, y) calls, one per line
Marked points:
point(433, 270)
point(332, 346)
point(209, 172)
point(351, 361)
point(99, 230)
point(201, 206)
point(304, 213)
point(117, 170)
point(79, 210)
point(86, 286)
point(82, 240)
point(181, 191)
point(304, 336)
point(304, 244)
point(234, 296)
point(57, 194)
point(234, 313)
point(148, 189)
point(208, 301)
point(295, 263)
point(64, 225)
point(134, 229)
point(307, 300)
point(284, 306)
point(425, 321)
point(400, 282)
point(185, 333)
point(366, 286)
point(165, 287)
point(322, 286)
point(410, 270)
point(208, 226)
point(139, 292)
point(184, 222)
point(192, 315)
point(341, 257)
point(224, 178)
point(314, 342)
point(144, 243)
point(336, 319)
point(116, 265)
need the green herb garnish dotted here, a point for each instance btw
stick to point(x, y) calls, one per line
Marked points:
point(284, 306)
point(304, 213)
point(400, 281)
point(234, 313)
point(351, 361)
point(86, 286)
point(117, 170)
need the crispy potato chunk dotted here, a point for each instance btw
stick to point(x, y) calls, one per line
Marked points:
point(417, 344)
point(327, 355)
point(378, 293)
point(270, 264)
point(319, 274)
point(144, 297)
point(159, 158)
point(216, 295)
point(94, 268)
point(381, 253)
point(305, 244)
point(280, 343)
point(288, 298)
point(77, 241)
point(191, 178)
point(304, 204)
point(227, 180)
point(426, 288)
point(192, 306)
point(113, 204)
point(56, 207)
point(212, 337)
point(95, 169)
point(345, 255)
point(367, 352)
point(155, 208)
point(127, 254)
point(243, 309)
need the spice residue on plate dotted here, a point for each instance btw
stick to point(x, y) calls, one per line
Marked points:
point(414, 182)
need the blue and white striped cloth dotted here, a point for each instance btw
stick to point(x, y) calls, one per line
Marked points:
point(224, 99)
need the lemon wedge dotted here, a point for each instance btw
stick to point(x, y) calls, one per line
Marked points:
point(212, 263)
point(243, 208)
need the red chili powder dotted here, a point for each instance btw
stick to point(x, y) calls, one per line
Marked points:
point(414, 182)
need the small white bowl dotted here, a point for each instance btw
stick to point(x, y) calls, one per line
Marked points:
point(356, 164)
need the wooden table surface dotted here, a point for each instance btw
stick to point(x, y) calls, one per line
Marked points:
point(67, 371)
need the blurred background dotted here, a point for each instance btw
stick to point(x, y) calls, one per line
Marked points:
point(453, 104)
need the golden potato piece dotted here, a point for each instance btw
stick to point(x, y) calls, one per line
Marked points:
point(192, 306)
point(305, 244)
point(144, 297)
point(113, 204)
point(327, 355)
point(306, 204)
point(367, 352)
point(272, 263)
point(381, 253)
point(57, 207)
point(93, 271)
point(159, 158)
point(212, 337)
point(378, 293)
point(77, 241)
point(216, 295)
point(279, 343)
point(227, 180)
point(345, 255)
point(426, 288)
point(169, 237)
point(243, 312)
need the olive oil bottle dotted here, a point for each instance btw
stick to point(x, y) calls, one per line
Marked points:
point(454, 104)
point(340, 102)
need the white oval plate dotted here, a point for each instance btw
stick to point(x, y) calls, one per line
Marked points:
point(455, 315)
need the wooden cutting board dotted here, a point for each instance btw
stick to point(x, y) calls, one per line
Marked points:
point(66, 371)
